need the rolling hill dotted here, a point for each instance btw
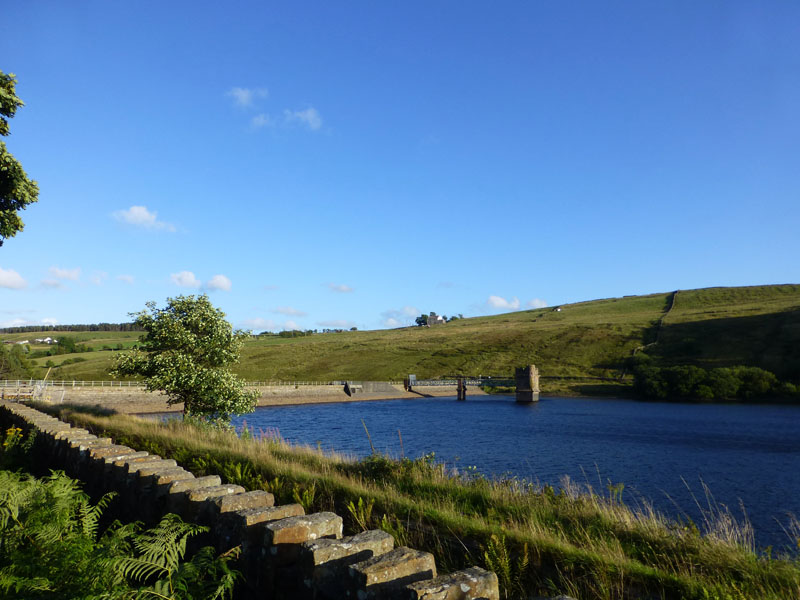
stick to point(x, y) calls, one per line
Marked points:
point(581, 348)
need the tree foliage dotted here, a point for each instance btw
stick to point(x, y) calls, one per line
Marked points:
point(689, 381)
point(186, 352)
point(13, 363)
point(16, 190)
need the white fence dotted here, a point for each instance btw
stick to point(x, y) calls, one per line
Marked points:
point(18, 383)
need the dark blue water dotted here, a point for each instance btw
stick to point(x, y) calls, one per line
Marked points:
point(745, 454)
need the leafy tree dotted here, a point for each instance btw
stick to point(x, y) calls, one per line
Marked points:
point(13, 364)
point(16, 190)
point(421, 320)
point(186, 353)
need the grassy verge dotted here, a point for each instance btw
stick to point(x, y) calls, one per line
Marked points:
point(537, 539)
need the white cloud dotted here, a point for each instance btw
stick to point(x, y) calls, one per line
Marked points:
point(400, 317)
point(20, 322)
point(262, 120)
point(536, 303)
point(259, 323)
point(185, 279)
point(98, 277)
point(289, 311)
point(139, 216)
point(54, 284)
point(246, 97)
point(337, 323)
point(219, 282)
point(309, 117)
point(290, 325)
point(70, 274)
point(501, 303)
point(126, 278)
point(9, 278)
point(340, 288)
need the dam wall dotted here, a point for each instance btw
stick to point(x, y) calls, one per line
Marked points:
point(286, 554)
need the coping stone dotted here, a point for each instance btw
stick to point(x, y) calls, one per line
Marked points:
point(383, 575)
point(470, 584)
point(296, 530)
point(324, 562)
point(234, 502)
point(246, 526)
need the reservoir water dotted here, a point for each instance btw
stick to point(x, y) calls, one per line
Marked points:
point(664, 452)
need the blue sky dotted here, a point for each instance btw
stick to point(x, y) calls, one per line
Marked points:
point(338, 164)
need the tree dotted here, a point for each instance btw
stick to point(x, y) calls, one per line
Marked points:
point(421, 320)
point(16, 190)
point(185, 353)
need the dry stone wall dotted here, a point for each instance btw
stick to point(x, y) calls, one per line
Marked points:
point(285, 552)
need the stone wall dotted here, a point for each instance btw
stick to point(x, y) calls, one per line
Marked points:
point(285, 553)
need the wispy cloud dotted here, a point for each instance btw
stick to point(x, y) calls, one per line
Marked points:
point(259, 324)
point(219, 282)
point(53, 284)
point(185, 279)
point(337, 323)
point(289, 325)
point(402, 317)
point(20, 322)
point(262, 120)
point(140, 216)
point(246, 97)
point(339, 288)
point(536, 303)
point(500, 303)
point(126, 278)
point(98, 277)
point(270, 288)
point(188, 279)
point(309, 117)
point(70, 274)
point(12, 280)
point(289, 311)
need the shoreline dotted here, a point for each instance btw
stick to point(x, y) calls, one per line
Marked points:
point(156, 404)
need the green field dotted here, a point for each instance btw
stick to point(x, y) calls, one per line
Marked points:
point(755, 326)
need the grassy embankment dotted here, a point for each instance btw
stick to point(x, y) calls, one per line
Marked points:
point(753, 326)
point(537, 540)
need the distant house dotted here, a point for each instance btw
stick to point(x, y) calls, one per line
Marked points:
point(434, 319)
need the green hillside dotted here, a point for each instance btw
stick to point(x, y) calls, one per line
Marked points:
point(756, 326)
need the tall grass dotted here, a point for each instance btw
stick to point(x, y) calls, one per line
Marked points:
point(539, 539)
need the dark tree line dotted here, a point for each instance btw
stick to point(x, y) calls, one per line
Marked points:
point(724, 383)
point(90, 327)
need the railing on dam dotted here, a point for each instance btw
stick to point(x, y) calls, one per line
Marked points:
point(18, 383)
point(475, 381)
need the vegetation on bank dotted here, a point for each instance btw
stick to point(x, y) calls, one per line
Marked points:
point(691, 382)
point(53, 546)
point(538, 539)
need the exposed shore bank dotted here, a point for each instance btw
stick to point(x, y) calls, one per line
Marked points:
point(136, 401)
